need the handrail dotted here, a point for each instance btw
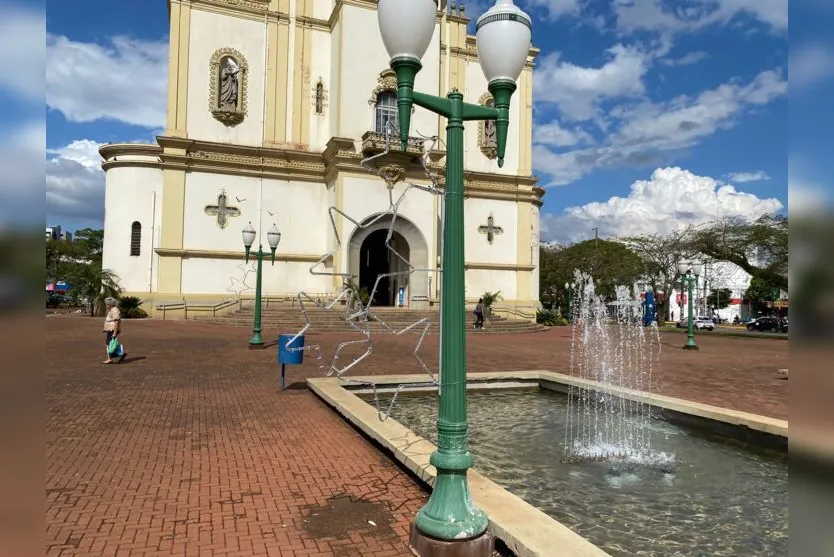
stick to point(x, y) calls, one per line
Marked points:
point(185, 306)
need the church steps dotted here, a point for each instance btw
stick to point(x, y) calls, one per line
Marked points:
point(289, 328)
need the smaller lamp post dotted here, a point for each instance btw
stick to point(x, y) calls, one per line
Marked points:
point(689, 279)
point(569, 293)
point(274, 238)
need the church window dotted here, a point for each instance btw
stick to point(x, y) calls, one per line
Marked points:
point(319, 98)
point(386, 111)
point(135, 238)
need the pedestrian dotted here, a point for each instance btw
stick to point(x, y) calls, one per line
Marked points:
point(479, 314)
point(112, 329)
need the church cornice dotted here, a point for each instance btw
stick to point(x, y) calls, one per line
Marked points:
point(340, 156)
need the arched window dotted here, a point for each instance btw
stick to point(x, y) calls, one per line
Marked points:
point(386, 111)
point(135, 238)
point(319, 98)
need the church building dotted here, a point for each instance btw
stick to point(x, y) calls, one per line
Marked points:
point(272, 106)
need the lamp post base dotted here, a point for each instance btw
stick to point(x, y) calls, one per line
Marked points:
point(256, 345)
point(691, 347)
point(426, 546)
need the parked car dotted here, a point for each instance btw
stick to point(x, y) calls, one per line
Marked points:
point(771, 324)
point(699, 323)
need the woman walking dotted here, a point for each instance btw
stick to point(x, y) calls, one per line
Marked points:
point(112, 328)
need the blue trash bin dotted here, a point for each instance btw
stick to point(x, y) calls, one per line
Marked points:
point(292, 355)
point(289, 355)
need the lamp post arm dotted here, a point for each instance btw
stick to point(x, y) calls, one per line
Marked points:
point(478, 112)
point(439, 105)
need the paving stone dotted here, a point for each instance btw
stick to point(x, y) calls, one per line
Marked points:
point(189, 447)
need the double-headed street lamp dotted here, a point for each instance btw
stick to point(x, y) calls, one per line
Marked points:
point(503, 43)
point(274, 238)
point(689, 279)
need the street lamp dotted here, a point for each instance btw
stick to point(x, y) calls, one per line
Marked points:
point(689, 279)
point(274, 238)
point(569, 290)
point(503, 42)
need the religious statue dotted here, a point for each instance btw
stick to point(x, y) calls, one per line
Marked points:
point(229, 84)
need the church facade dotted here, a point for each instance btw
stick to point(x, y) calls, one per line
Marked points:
point(272, 106)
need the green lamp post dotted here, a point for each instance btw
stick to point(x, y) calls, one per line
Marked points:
point(503, 43)
point(274, 238)
point(689, 279)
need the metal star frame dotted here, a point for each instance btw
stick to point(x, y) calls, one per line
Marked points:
point(357, 314)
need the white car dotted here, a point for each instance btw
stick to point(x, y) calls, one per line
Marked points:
point(703, 322)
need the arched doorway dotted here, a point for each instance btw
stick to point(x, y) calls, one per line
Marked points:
point(376, 259)
point(368, 257)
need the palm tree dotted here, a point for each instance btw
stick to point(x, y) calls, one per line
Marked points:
point(94, 284)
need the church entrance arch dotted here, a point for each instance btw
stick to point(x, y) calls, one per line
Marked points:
point(370, 257)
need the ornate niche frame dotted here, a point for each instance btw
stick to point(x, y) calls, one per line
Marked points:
point(229, 116)
point(489, 147)
point(387, 81)
point(320, 98)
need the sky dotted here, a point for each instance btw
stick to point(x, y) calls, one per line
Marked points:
point(648, 115)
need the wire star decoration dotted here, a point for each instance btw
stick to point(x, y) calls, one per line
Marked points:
point(238, 283)
point(358, 315)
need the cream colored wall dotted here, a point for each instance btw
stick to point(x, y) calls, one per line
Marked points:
point(320, 69)
point(322, 9)
point(213, 276)
point(364, 197)
point(129, 196)
point(479, 281)
point(212, 31)
point(299, 207)
point(504, 246)
point(362, 58)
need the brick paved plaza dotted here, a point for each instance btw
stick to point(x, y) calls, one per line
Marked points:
point(188, 447)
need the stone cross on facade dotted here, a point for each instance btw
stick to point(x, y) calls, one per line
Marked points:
point(222, 210)
point(490, 229)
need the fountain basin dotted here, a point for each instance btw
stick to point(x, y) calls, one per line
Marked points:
point(525, 529)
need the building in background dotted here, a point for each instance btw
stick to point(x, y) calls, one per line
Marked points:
point(56, 233)
point(272, 105)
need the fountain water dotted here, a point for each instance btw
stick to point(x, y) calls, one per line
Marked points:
point(611, 346)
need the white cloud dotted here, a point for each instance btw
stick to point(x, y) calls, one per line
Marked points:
point(577, 90)
point(556, 136)
point(671, 199)
point(75, 181)
point(650, 15)
point(810, 63)
point(557, 8)
point(22, 40)
point(687, 59)
point(126, 81)
point(741, 177)
point(645, 130)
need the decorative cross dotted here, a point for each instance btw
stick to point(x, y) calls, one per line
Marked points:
point(490, 229)
point(222, 210)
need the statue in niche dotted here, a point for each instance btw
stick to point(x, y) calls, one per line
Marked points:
point(488, 140)
point(229, 84)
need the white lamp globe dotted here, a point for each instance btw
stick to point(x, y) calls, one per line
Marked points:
point(696, 268)
point(273, 236)
point(248, 235)
point(406, 26)
point(682, 268)
point(504, 34)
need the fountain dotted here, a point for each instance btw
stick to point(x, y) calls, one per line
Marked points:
point(611, 346)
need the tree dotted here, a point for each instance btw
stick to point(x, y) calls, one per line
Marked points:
point(719, 298)
point(93, 284)
point(759, 247)
point(759, 293)
point(609, 263)
point(660, 256)
point(89, 243)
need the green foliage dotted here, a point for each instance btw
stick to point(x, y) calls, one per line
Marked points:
point(89, 242)
point(759, 247)
point(610, 263)
point(550, 318)
point(92, 284)
point(359, 294)
point(129, 308)
point(759, 293)
point(719, 298)
point(490, 298)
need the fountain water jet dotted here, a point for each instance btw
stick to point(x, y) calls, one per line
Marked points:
point(610, 345)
